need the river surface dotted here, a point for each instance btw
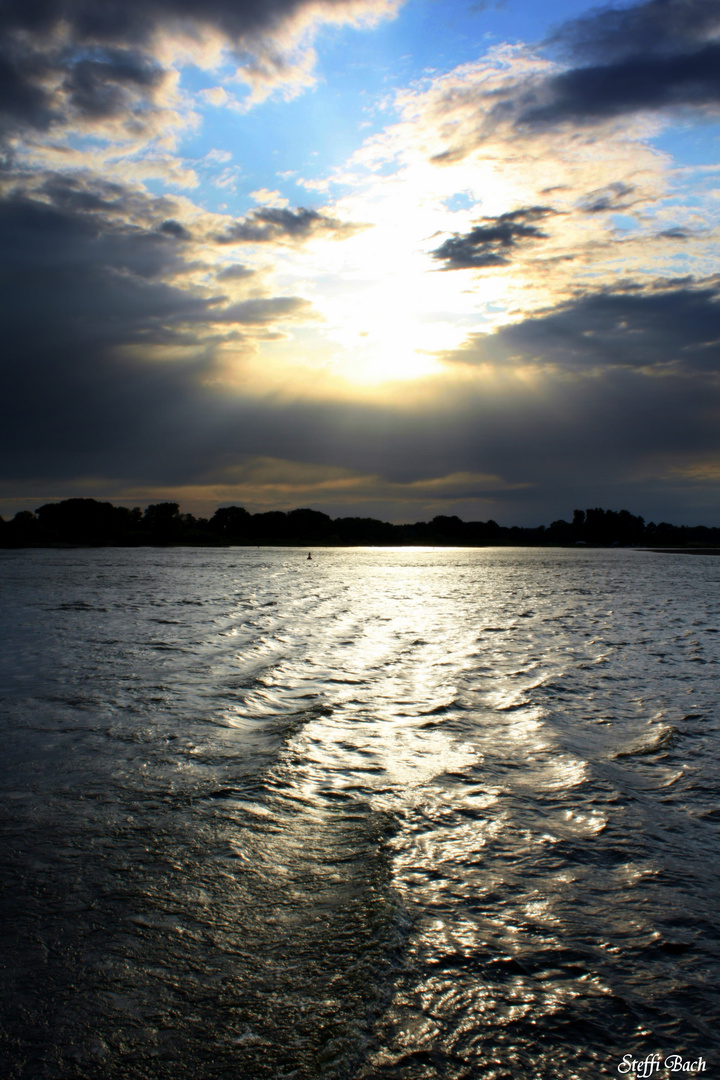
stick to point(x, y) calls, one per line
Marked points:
point(385, 814)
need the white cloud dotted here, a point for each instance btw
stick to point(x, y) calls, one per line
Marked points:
point(216, 95)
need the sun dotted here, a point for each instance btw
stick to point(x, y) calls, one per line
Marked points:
point(385, 361)
point(385, 333)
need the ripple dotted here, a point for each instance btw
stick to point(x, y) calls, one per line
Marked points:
point(662, 739)
point(428, 814)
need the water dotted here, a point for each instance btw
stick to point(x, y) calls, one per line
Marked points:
point(402, 814)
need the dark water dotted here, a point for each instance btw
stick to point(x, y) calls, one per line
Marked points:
point(386, 814)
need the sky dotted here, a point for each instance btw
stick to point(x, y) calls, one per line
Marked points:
point(388, 258)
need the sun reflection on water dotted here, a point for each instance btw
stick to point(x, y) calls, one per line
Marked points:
point(395, 818)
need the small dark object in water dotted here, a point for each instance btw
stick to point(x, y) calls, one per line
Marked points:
point(309, 555)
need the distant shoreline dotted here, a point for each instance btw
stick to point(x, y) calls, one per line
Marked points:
point(683, 550)
point(324, 546)
point(90, 523)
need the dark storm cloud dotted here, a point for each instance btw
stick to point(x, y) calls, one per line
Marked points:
point(89, 59)
point(82, 296)
point(44, 244)
point(96, 87)
point(491, 242)
point(78, 287)
point(664, 54)
point(108, 204)
point(44, 83)
point(659, 27)
point(84, 292)
point(273, 223)
point(79, 291)
point(74, 288)
point(139, 20)
point(592, 94)
point(673, 327)
point(175, 229)
point(23, 97)
point(71, 276)
point(71, 193)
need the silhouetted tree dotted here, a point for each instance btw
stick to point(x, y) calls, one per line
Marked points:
point(230, 522)
point(270, 527)
point(560, 532)
point(22, 530)
point(162, 522)
point(86, 521)
point(365, 531)
point(447, 530)
point(308, 526)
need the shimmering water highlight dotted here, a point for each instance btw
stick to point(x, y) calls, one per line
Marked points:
point(384, 814)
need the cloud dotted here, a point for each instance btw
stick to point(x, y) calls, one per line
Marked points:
point(609, 199)
point(490, 243)
point(48, 83)
point(216, 95)
point(659, 55)
point(278, 224)
point(574, 403)
point(99, 88)
point(657, 330)
point(264, 311)
point(262, 483)
point(524, 219)
point(92, 304)
point(640, 83)
point(236, 272)
point(657, 27)
point(136, 359)
point(81, 62)
point(175, 229)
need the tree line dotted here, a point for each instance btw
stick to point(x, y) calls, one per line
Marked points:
point(90, 522)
